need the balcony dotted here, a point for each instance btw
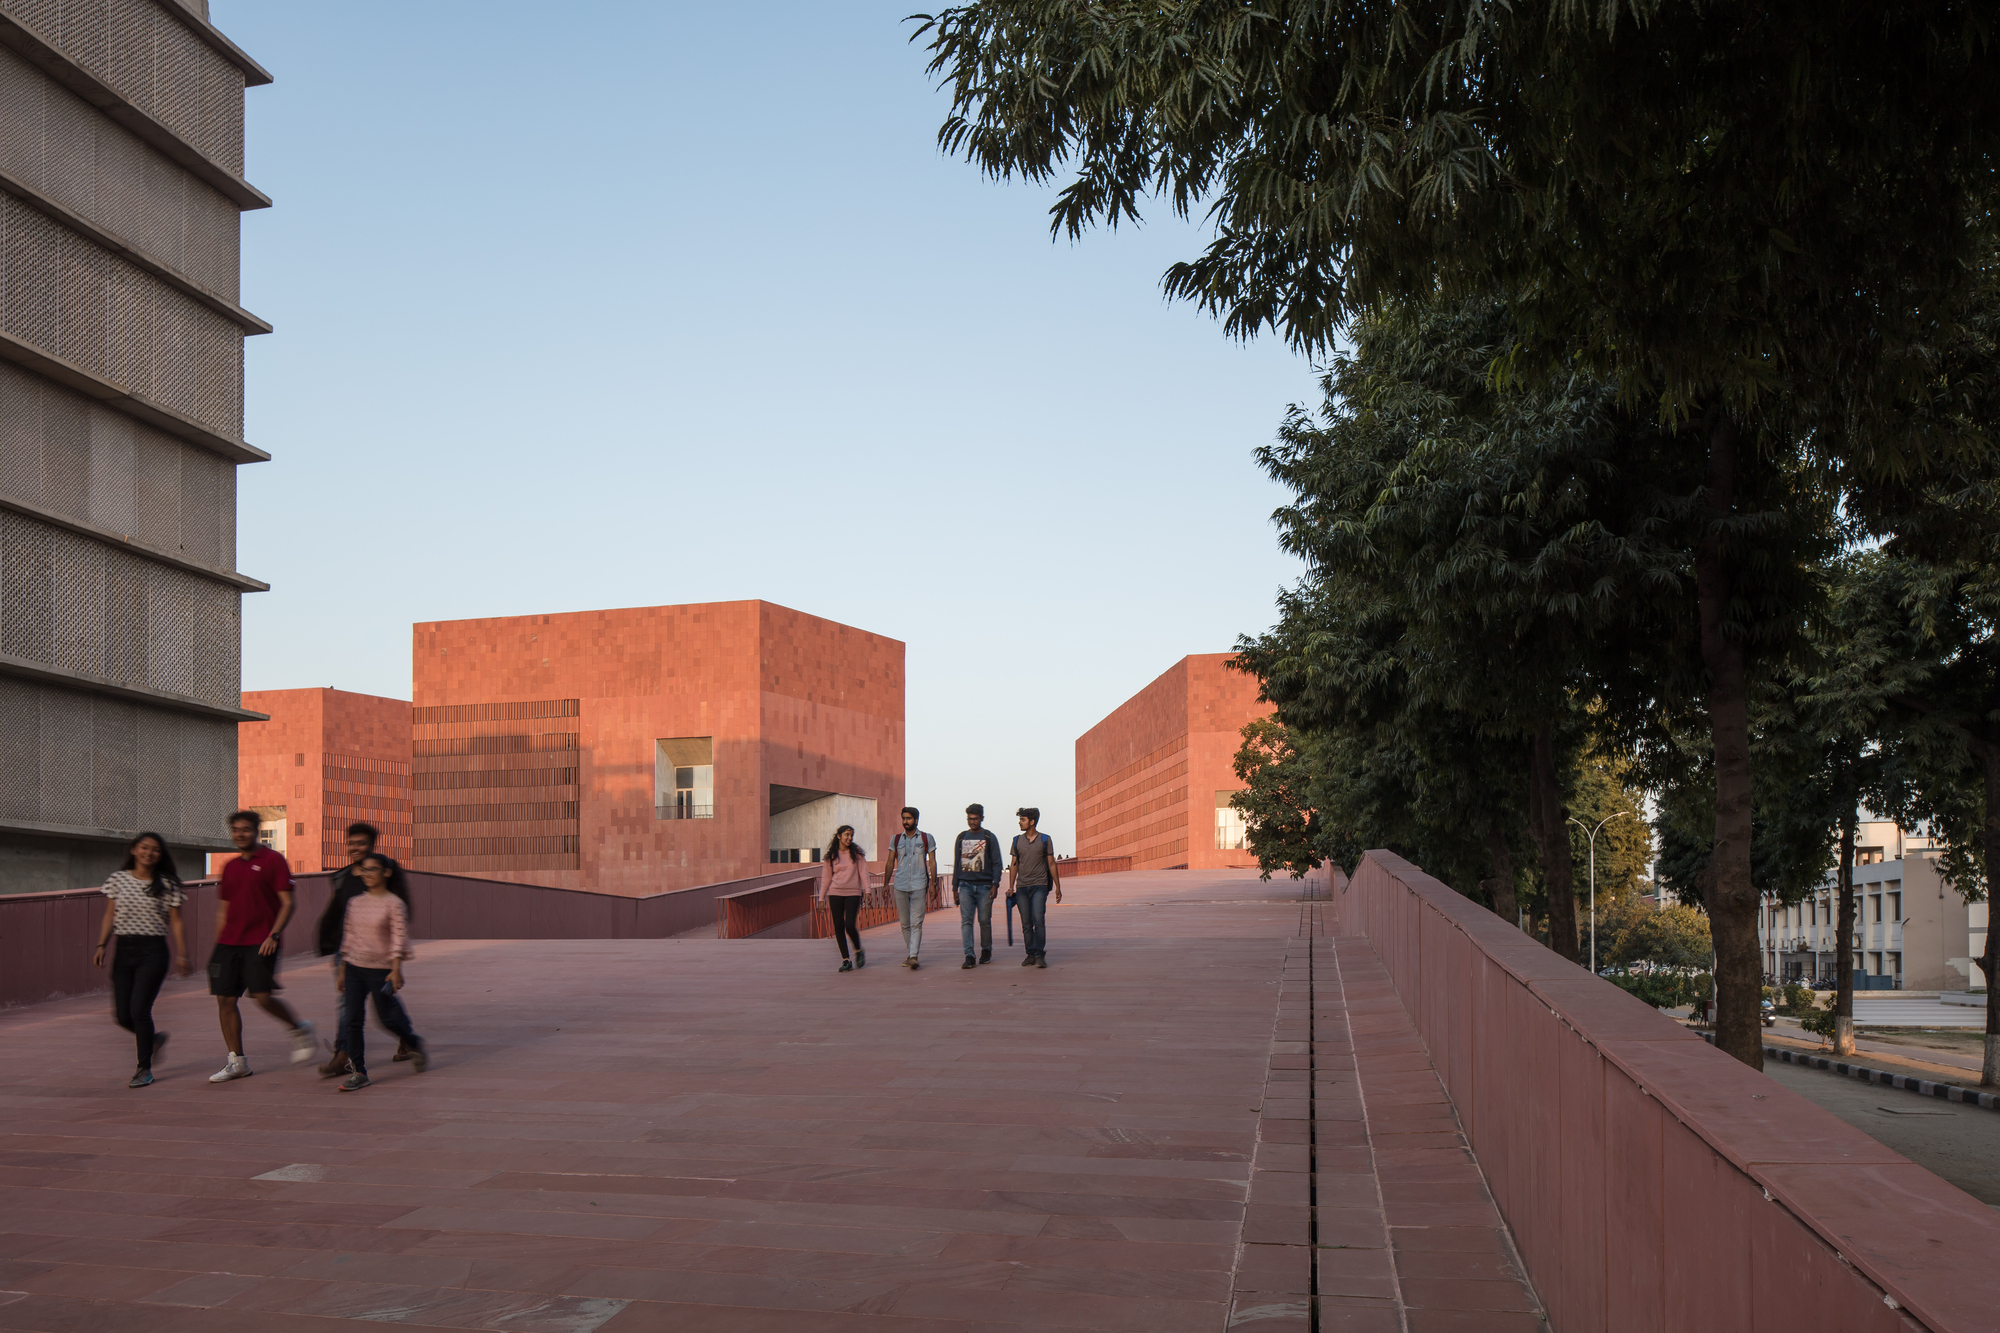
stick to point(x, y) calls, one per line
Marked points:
point(685, 810)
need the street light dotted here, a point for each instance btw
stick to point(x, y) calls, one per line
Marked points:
point(1592, 834)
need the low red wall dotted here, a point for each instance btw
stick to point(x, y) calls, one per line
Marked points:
point(1652, 1182)
point(46, 938)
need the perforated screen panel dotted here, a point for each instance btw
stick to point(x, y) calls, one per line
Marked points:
point(78, 604)
point(72, 298)
point(76, 759)
point(55, 142)
point(154, 62)
point(94, 464)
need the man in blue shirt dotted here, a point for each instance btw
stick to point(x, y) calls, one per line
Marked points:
point(975, 871)
point(911, 874)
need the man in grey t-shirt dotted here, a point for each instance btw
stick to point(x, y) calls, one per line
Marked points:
point(1035, 877)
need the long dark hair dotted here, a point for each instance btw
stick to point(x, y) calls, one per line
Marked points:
point(853, 848)
point(165, 876)
point(392, 879)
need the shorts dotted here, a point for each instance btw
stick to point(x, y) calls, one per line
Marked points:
point(237, 969)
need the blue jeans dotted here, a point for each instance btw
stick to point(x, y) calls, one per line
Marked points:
point(339, 1008)
point(1034, 903)
point(975, 899)
point(364, 983)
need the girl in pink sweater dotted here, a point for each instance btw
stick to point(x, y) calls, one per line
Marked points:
point(842, 886)
point(373, 945)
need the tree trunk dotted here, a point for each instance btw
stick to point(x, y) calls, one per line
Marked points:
point(1843, 968)
point(1552, 836)
point(1990, 764)
point(1505, 905)
point(1730, 895)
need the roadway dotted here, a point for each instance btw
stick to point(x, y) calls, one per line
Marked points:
point(1958, 1142)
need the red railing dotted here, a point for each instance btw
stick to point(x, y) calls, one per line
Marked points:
point(739, 916)
point(877, 909)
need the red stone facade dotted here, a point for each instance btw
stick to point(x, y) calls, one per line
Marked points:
point(538, 740)
point(1147, 776)
point(328, 759)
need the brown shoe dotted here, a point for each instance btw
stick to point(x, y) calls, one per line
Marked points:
point(403, 1051)
point(336, 1066)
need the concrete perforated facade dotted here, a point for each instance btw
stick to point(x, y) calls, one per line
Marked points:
point(121, 426)
point(552, 749)
point(1151, 777)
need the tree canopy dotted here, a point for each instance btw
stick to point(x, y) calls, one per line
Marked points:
point(1648, 301)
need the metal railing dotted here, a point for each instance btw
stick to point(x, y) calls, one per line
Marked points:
point(685, 811)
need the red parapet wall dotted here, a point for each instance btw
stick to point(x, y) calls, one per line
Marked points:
point(1092, 865)
point(46, 938)
point(1652, 1182)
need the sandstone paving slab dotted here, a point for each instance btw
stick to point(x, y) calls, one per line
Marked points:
point(697, 1134)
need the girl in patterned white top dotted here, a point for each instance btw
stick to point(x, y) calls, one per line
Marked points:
point(144, 907)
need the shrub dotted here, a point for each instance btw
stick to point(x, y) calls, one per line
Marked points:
point(1820, 1022)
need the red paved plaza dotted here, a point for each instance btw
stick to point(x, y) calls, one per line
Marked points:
point(697, 1134)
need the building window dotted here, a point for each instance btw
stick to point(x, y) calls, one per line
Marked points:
point(1868, 856)
point(1895, 907)
point(271, 827)
point(791, 856)
point(1232, 832)
point(684, 777)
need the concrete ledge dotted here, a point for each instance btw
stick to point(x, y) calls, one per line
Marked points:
point(139, 694)
point(57, 64)
point(120, 541)
point(112, 394)
point(132, 254)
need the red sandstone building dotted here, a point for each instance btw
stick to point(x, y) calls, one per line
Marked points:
point(1153, 779)
point(650, 748)
point(324, 760)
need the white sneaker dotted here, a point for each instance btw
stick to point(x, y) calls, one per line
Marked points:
point(303, 1045)
point(236, 1067)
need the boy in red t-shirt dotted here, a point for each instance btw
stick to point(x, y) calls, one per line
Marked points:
point(253, 903)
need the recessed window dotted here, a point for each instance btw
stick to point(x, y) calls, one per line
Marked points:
point(684, 777)
point(271, 827)
point(1232, 832)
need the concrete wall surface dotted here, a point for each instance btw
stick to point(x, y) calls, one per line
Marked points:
point(46, 938)
point(1651, 1181)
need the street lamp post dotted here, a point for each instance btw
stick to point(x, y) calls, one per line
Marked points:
point(1592, 834)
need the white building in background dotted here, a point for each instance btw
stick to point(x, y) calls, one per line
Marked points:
point(1911, 930)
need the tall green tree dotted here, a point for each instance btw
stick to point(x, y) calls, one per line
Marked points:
point(1938, 631)
point(1713, 208)
point(1279, 803)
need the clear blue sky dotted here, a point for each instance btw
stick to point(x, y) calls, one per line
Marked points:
point(621, 304)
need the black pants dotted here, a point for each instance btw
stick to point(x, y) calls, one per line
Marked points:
point(137, 968)
point(846, 911)
point(363, 982)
